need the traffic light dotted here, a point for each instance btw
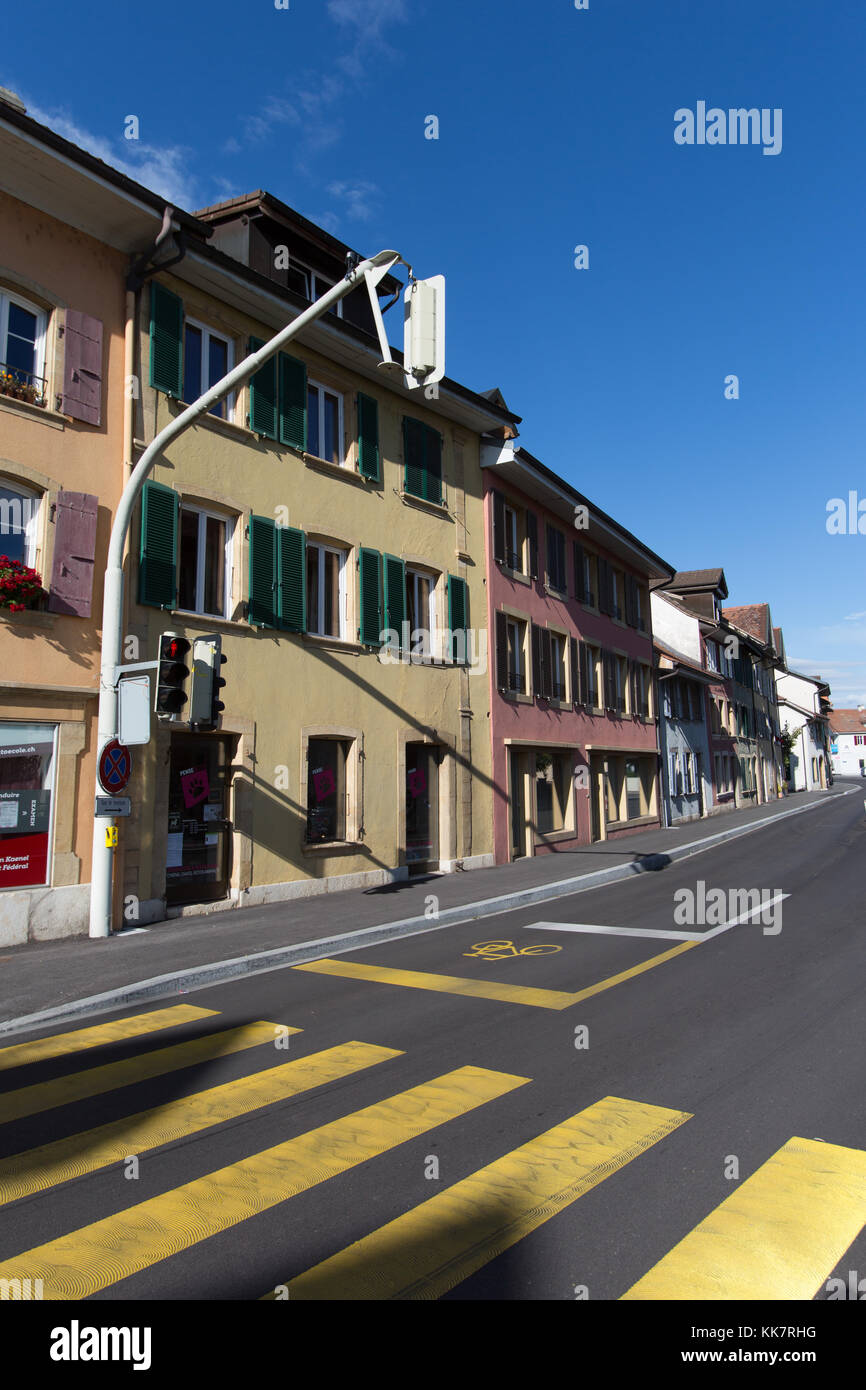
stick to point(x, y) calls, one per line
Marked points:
point(172, 676)
point(205, 704)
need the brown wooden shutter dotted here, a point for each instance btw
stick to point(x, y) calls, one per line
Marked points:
point(499, 528)
point(585, 659)
point(579, 585)
point(605, 602)
point(609, 696)
point(74, 550)
point(546, 665)
point(574, 654)
point(532, 539)
point(82, 367)
point(501, 651)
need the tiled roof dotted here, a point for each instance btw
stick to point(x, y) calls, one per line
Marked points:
point(752, 618)
point(699, 579)
point(848, 721)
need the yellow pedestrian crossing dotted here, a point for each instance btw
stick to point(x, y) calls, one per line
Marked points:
point(119, 1030)
point(778, 1236)
point(96, 1081)
point(441, 1242)
point(44, 1167)
point(80, 1264)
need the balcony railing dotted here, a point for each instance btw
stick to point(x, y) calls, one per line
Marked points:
point(515, 682)
point(21, 385)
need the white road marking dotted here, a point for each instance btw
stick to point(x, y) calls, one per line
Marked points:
point(653, 933)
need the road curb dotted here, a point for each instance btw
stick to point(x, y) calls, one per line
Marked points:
point(279, 958)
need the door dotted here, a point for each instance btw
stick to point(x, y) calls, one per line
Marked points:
point(517, 801)
point(422, 806)
point(198, 855)
point(596, 786)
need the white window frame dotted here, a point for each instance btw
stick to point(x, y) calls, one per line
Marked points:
point(594, 676)
point(315, 279)
point(8, 297)
point(323, 390)
point(558, 663)
point(342, 554)
point(413, 574)
point(511, 535)
point(31, 529)
point(206, 334)
point(229, 522)
point(519, 626)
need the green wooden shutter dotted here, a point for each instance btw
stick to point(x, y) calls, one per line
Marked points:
point(413, 457)
point(432, 465)
point(166, 340)
point(370, 569)
point(368, 437)
point(291, 579)
point(157, 574)
point(262, 607)
point(458, 618)
point(263, 395)
point(395, 595)
point(293, 402)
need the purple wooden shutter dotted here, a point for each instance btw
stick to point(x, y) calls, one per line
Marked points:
point(82, 371)
point(74, 550)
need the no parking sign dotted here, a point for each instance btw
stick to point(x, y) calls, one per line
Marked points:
point(115, 766)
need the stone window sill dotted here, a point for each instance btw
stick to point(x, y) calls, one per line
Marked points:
point(438, 508)
point(52, 418)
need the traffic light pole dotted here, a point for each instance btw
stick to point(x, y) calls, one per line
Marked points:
point(372, 270)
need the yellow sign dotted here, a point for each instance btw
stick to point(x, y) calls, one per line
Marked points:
point(111, 837)
point(504, 950)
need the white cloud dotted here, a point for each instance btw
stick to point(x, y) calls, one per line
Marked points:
point(854, 617)
point(358, 199)
point(164, 170)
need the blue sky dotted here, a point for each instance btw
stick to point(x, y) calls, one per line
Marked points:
point(556, 129)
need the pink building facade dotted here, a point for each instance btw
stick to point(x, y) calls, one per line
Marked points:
point(572, 707)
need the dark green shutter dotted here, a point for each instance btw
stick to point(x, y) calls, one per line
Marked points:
point(262, 607)
point(432, 464)
point(291, 579)
point(458, 617)
point(157, 575)
point(413, 457)
point(263, 395)
point(166, 340)
point(293, 402)
point(395, 596)
point(370, 569)
point(368, 438)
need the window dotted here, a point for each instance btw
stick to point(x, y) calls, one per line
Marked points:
point(589, 578)
point(310, 284)
point(26, 784)
point(207, 357)
point(326, 590)
point(593, 659)
point(421, 612)
point(556, 559)
point(19, 518)
point(324, 423)
point(22, 349)
point(557, 666)
point(327, 794)
point(422, 456)
point(676, 774)
point(515, 639)
point(616, 593)
point(712, 656)
point(640, 689)
point(513, 557)
point(204, 571)
point(690, 773)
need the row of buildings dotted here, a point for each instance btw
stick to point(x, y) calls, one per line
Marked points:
point(554, 682)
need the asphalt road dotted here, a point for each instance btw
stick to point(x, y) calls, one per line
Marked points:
point(717, 1053)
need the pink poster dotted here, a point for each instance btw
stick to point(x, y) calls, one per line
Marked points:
point(195, 785)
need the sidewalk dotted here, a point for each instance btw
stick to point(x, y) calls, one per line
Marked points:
point(61, 978)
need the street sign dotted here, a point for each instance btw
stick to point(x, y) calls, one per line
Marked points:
point(113, 806)
point(133, 710)
point(115, 766)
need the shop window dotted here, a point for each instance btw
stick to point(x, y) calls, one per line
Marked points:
point(327, 791)
point(26, 786)
point(552, 788)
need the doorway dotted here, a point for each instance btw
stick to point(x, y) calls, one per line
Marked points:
point(198, 851)
point(422, 806)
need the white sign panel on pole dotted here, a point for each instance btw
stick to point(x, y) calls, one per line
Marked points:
point(133, 710)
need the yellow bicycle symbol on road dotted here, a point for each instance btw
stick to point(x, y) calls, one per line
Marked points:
point(504, 950)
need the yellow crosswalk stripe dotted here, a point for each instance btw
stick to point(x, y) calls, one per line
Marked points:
point(430, 1249)
point(120, 1030)
point(482, 989)
point(46, 1095)
point(38, 1169)
point(778, 1236)
point(440, 984)
point(77, 1265)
